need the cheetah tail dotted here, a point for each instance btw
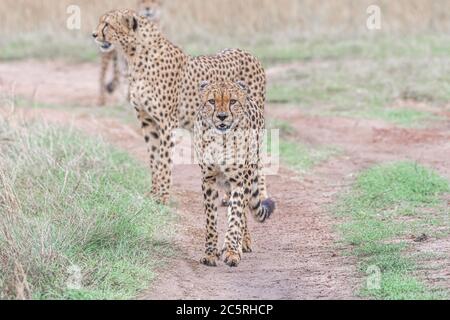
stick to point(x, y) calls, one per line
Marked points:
point(262, 210)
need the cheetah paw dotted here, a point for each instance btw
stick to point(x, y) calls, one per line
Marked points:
point(210, 261)
point(232, 258)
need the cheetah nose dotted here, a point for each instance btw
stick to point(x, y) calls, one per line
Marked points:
point(222, 116)
point(95, 35)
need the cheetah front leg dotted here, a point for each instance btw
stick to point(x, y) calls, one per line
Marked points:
point(262, 181)
point(210, 195)
point(163, 168)
point(246, 239)
point(232, 249)
point(151, 135)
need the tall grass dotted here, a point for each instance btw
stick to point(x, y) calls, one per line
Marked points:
point(284, 19)
point(74, 221)
point(271, 29)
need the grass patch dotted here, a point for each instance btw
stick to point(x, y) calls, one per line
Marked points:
point(297, 156)
point(285, 128)
point(368, 90)
point(44, 46)
point(320, 48)
point(376, 214)
point(74, 222)
point(335, 48)
point(302, 158)
point(117, 111)
point(401, 117)
point(80, 47)
point(368, 84)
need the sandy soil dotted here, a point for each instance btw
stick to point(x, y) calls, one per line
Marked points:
point(296, 254)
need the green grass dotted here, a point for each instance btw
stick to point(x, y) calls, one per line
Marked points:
point(298, 156)
point(285, 128)
point(400, 117)
point(387, 203)
point(124, 112)
point(44, 46)
point(366, 89)
point(360, 77)
point(302, 158)
point(377, 48)
point(70, 201)
point(369, 82)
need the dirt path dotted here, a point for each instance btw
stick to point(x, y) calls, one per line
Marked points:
point(295, 253)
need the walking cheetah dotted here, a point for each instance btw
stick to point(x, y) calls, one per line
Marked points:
point(164, 84)
point(228, 137)
point(151, 9)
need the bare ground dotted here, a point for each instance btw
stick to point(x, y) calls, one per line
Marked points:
point(296, 254)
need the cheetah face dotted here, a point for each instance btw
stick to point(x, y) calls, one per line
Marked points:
point(150, 9)
point(223, 104)
point(115, 28)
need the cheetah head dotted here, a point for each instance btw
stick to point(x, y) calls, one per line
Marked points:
point(150, 9)
point(117, 27)
point(223, 104)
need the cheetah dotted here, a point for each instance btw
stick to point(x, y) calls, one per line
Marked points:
point(151, 9)
point(228, 136)
point(164, 84)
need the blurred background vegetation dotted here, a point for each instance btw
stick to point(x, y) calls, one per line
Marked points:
point(332, 63)
point(281, 30)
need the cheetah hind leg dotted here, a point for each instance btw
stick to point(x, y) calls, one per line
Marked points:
point(210, 260)
point(112, 86)
point(232, 258)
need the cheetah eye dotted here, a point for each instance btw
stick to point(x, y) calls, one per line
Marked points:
point(233, 102)
point(212, 101)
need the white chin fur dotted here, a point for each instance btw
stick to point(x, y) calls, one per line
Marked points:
point(152, 16)
point(221, 132)
point(111, 48)
point(104, 48)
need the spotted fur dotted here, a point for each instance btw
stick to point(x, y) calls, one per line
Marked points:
point(164, 83)
point(151, 9)
point(228, 137)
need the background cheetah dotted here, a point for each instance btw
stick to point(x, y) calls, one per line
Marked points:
point(151, 9)
point(164, 84)
point(228, 139)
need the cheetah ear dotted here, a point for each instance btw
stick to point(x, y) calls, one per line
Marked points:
point(203, 86)
point(130, 22)
point(135, 24)
point(243, 86)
